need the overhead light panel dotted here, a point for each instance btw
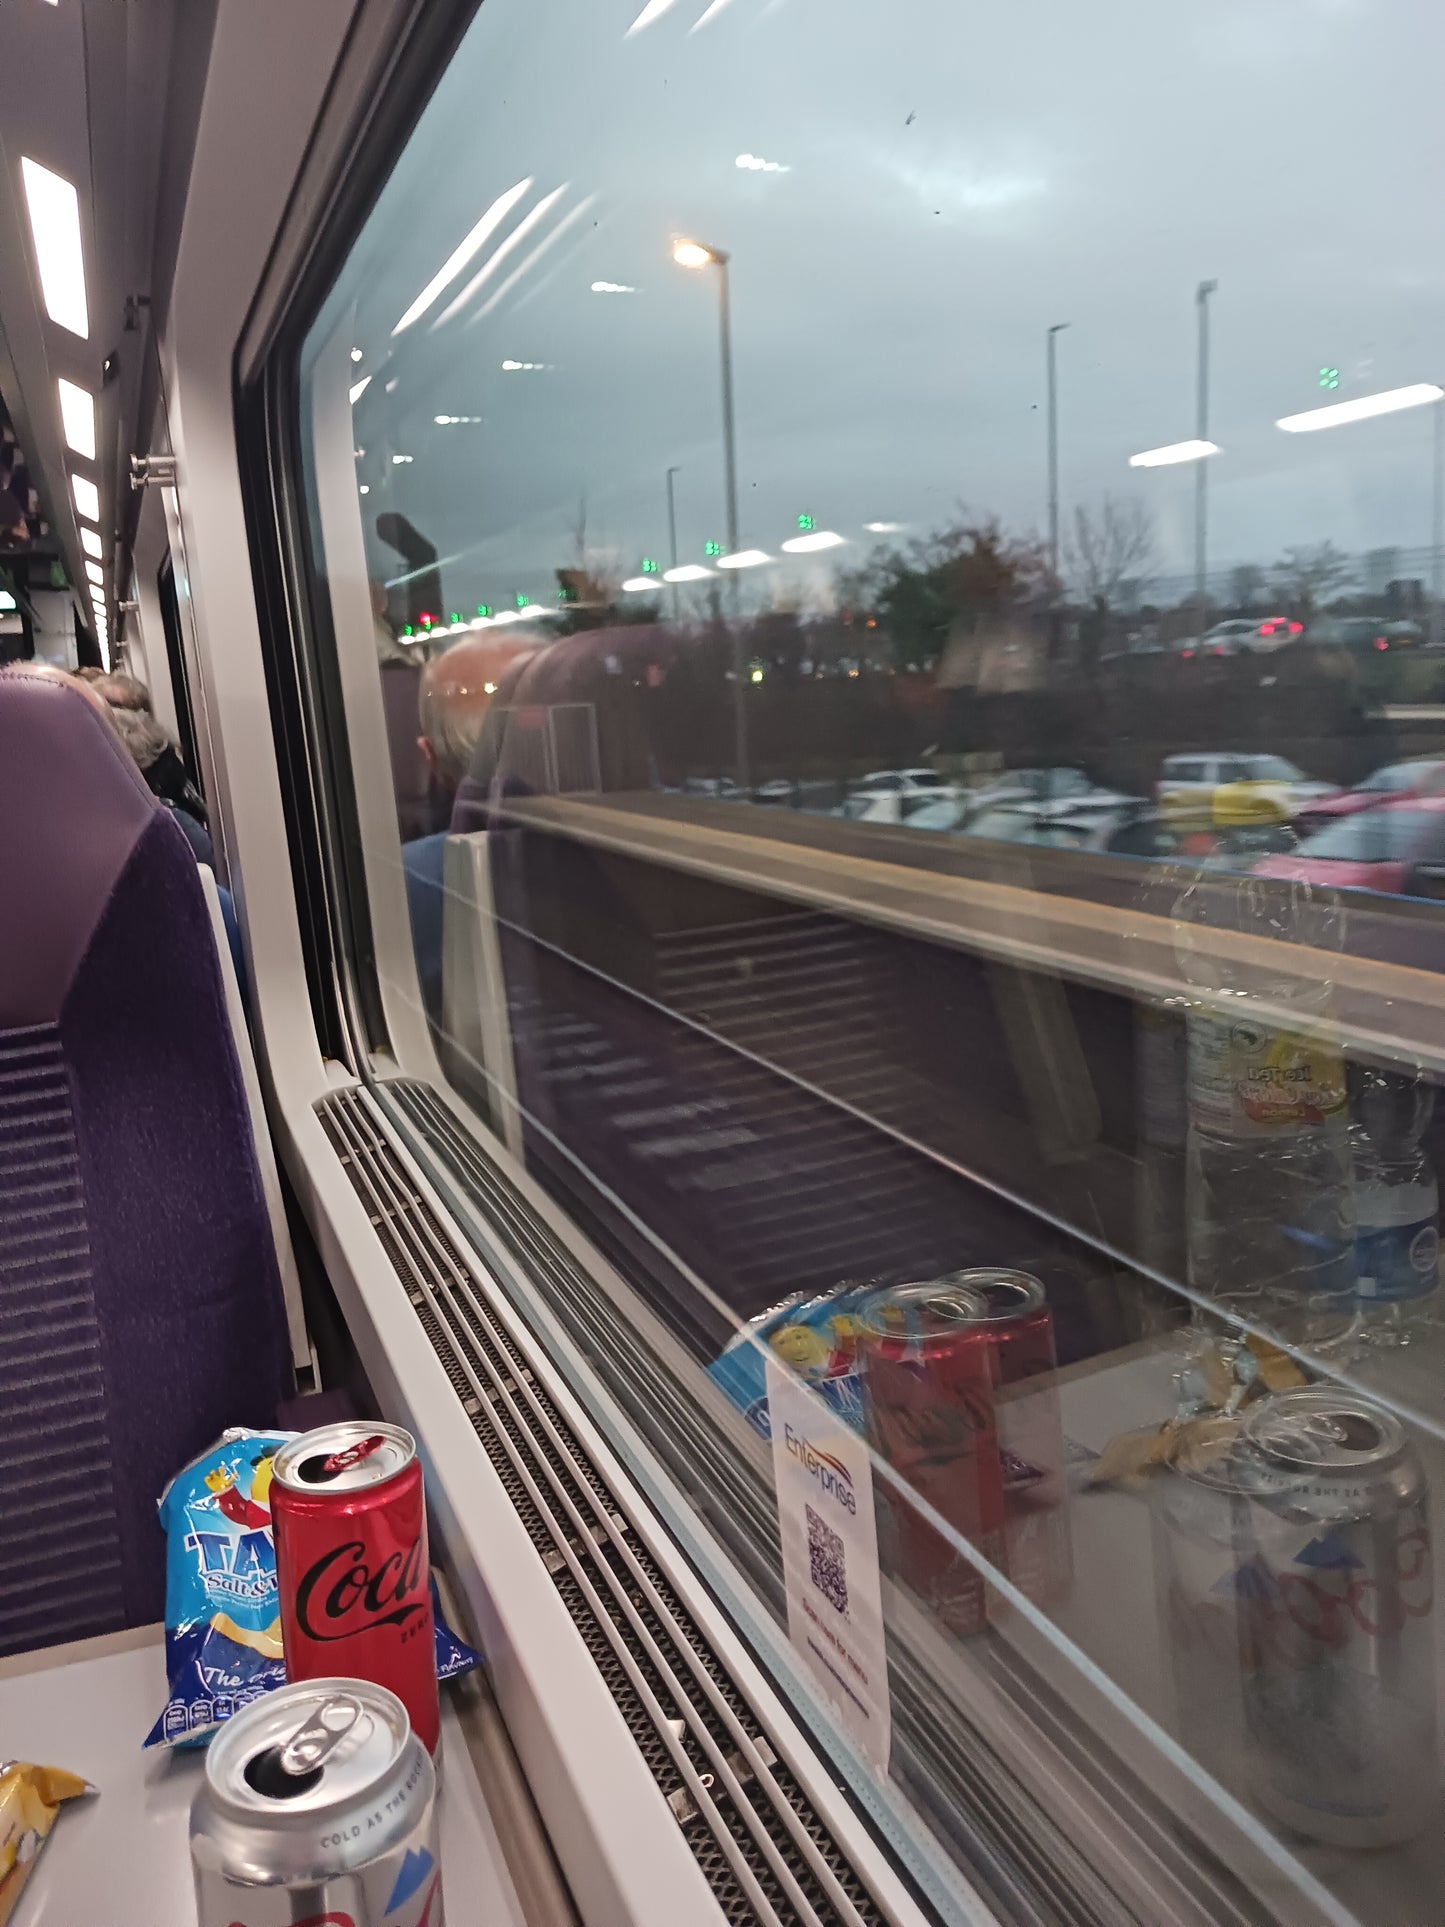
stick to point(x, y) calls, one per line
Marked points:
point(1337, 413)
point(358, 389)
point(818, 539)
point(77, 418)
point(460, 255)
point(1191, 451)
point(884, 528)
point(96, 574)
point(744, 559)
point(689, 572)
point(635, 584)
point(55, 228)
point(87, 498)
point(90, 542)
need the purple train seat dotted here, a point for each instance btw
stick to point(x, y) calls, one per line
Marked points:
point(140, 1303)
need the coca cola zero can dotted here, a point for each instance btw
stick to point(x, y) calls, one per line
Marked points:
point(928, 1398)
point(349, 1521)
point(1339, 1644)
point(318, 1809)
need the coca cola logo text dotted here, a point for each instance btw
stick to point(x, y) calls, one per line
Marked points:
point(340, 1595)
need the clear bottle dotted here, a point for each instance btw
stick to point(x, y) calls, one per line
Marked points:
point(1397, 1206)
point(1269, 1172)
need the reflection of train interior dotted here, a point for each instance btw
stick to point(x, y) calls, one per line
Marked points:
point(721, 905)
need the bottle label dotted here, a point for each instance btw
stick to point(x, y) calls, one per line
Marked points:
point(1248, 1080)
point(1395, 1261)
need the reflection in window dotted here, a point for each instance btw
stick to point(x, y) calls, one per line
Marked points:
point(899, 656)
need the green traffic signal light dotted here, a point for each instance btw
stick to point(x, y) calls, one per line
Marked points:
point(712, 548)
point(649, 567)
point(1329, 378)
point(805, 523)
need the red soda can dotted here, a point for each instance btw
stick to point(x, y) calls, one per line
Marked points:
point(349, 1521)
point(928, 1397)
point(1038, 1545)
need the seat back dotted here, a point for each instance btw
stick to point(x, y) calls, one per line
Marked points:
point(140, 1305)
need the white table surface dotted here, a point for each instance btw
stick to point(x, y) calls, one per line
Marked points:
point(122, 1860)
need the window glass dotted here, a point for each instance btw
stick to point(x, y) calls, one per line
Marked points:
point(740, 435)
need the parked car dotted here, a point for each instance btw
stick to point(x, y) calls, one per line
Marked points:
point(1242, 636)
point(1399, 848)
point(1234, 787)
point(1029, 786)
point(893, 806)
point(1056, 825)
point(1420, 776)
point(1159, 837)
point(1377, 633)
point(904, 782)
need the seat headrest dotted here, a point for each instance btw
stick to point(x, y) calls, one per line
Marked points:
point(73, 806)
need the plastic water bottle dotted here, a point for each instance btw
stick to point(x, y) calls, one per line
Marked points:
point(1269, 1181)
point(1397, 1206)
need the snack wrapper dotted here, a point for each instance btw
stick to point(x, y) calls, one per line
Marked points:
point(30, 1798)
point(223, 1610)
point(817, 1337)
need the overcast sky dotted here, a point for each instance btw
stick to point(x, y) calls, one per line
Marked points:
point(958, 176)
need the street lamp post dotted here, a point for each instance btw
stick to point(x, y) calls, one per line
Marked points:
point(1201, 472)
point(1057, 329)
point(672, 540)
point(1437, 533)
point(693, 254)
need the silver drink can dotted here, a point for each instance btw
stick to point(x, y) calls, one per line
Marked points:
point(1199, 1507)
point(318, 1805)
point(1337, 1612)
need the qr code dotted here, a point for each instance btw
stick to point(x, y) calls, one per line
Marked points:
point(825, 1561)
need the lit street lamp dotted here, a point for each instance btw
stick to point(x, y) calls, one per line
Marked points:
point(693, 254)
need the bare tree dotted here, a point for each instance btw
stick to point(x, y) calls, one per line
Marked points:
point(1110, 546)
point(1303, 578)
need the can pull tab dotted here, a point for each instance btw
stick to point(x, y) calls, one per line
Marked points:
point(323, 1732)
point(350, 1455)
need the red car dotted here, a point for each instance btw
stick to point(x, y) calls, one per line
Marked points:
point(1422, 776)
point(1398, 847)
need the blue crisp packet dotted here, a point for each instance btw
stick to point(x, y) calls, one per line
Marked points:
point(817, 1337)
point(223, 1612)
point(223, 1617)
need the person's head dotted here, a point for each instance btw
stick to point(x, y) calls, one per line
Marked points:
point(456, 692)
point(141, 734)
point(89, 673)
point(123, 692)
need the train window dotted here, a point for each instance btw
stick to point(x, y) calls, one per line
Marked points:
point(886, 568)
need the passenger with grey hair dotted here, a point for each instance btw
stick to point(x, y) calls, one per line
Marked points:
point(156, 758)
point(124, 692)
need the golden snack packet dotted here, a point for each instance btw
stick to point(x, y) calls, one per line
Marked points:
point(30, 1798)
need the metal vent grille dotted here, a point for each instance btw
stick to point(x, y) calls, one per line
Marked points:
point(766, 1854)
